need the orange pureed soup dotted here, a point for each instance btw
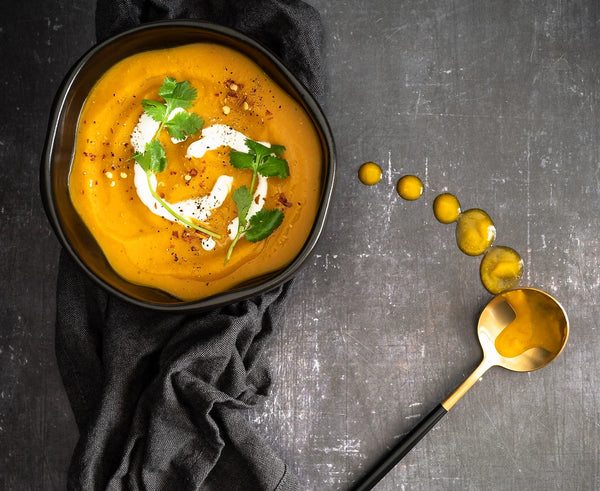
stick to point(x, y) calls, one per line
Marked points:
point(233, 95)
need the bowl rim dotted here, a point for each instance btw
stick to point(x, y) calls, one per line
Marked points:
point(229, 296)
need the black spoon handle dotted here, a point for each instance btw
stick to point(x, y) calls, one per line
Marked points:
point(387, 463)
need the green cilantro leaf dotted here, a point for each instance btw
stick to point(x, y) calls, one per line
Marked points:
point(177, 94)
point(274, 167)
point(167, 87)
point(241, 160)
point(153, 159)
point(262, 224)
point(242, 197)
point(184, 124)
point(156, 110)
point(277, 149)
point(259, 150)
point(261, 160)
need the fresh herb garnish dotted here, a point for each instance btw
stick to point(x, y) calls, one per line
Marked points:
point(263, 160)
point(153, 160)
point(267, 162)
point(172, 115)
point(243, 199)
point(262, 224)
point(177, 95)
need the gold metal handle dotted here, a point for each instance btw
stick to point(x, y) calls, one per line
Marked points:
point(462, 389)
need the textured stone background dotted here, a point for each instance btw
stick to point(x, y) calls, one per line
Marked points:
point(496, 102)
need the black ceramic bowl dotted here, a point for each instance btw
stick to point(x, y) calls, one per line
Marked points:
point(60, 142)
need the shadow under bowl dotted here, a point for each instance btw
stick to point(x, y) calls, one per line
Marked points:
point(60, 142)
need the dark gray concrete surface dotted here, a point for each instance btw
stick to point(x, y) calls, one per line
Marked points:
point(496, 102)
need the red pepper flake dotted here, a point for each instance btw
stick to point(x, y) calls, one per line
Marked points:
point(125, 144)
point(162, 195)
point(193, 172)
point(283, 200)
point(92, 157)
point(85, 154)
point(175, 234)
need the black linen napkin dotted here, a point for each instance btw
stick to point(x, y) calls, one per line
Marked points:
point(157, 396)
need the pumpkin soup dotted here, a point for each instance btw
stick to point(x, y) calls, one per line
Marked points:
point(194, 171)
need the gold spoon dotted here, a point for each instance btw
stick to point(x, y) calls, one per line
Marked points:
point(522, 330)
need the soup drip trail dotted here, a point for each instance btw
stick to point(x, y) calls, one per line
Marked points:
point(501, 267)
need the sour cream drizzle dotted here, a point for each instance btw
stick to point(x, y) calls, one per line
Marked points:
point(213, 137)
point(216, 136)
point(146, 128)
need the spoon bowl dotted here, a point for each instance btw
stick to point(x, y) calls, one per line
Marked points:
point(521, 330)
point(536, 341)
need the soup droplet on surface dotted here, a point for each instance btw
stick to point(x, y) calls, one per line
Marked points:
point(475, 232)
point(369, 173)
point(446, 208)
point(410, 188)
point(501, 268)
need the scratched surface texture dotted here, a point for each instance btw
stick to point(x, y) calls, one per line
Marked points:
point(496, 102)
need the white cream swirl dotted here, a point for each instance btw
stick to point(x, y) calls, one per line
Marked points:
point(212, 137)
